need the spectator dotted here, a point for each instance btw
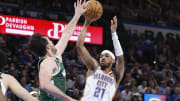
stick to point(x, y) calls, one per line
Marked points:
point(158, 90)
point(78, 84)
point(136, 71)
point(76, 94)
point(156, 69)
point(177, 76)
point(83, 76)
point(117, 96)
point(128, 78)
point(148, 50)
point(74, 71)
point(24, 84)
point(168, 94)
point(26, 57)
point(135, 93)
point(163, 87)
point(35, 86)
point(177, 61)
point(176, 95)
point(134, 98)
point(139, 56)
point(167, 68)
point(152, 86)
point(69, 81)
point(126, 93)
point(169, 77)
point(142, 88)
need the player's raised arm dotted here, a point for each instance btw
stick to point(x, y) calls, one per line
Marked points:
point(69, 29)
point(119, 70)
point(87, 59)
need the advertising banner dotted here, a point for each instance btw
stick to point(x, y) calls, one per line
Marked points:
point(154, 30)
point(27, 27)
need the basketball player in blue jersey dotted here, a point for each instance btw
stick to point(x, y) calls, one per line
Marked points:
point(101, 82)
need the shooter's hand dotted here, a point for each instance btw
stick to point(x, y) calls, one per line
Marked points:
point(114, 24)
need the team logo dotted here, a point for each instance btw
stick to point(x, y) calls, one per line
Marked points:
point(111, 74)
point(56, 30)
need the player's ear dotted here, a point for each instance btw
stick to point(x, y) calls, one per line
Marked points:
point(113, 60)
point(48, 46)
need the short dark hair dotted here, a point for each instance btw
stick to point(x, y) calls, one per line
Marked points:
point(37, 44)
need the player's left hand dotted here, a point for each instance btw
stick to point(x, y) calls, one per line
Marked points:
point(79, 7)
point(88, 22)
point(114, 24)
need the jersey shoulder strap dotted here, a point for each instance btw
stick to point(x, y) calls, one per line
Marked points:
point(40, 61)
point(0, 75)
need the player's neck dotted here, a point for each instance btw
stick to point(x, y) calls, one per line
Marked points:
point(50, 55)
point(107, 70)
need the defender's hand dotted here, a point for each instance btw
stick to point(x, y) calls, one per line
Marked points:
point(114, 24)
point(79, 7)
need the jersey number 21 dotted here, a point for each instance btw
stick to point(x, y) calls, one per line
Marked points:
point(99, 92)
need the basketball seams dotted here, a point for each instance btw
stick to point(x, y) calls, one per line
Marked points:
point(95, 13)
point(95, 10)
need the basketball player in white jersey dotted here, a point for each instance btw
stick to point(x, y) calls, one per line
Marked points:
point(9, 82)
point(101, 84)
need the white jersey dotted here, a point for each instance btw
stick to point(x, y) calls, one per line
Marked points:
point(99, 86)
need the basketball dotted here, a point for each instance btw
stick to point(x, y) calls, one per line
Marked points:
point(95, 10)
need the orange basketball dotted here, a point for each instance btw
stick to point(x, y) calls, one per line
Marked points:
point(95, 10)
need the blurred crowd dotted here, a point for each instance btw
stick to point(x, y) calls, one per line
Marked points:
point(152, 66)
point(152, 61)
point(154, 12)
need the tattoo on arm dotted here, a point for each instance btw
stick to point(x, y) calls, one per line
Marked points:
point(119, 71)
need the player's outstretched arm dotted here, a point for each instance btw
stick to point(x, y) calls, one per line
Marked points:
point(69, 29)
point(17, 89)
point(87, 59)
point(119, 70)
point(45, 74)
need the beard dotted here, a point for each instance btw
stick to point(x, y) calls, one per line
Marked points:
point(104, 66)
